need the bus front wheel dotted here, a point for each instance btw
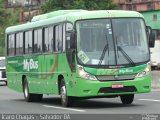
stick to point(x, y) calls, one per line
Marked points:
point(127, 99)
point(30, 97)
point(65, 99)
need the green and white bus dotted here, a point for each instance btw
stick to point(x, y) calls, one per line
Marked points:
point(80, 54)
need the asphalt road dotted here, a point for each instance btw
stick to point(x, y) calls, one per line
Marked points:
point(13, 102)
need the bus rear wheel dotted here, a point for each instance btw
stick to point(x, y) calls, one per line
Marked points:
point(65, 99)
point(30, 97)
point(127, 99)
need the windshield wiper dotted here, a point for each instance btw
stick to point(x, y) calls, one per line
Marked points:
point(125, 55)
point(104, 52)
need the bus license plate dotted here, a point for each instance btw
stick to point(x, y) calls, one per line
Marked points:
point(117, 86)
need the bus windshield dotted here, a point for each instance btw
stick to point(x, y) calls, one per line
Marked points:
point(112, 42)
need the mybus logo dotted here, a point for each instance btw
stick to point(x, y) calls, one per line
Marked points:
point(30, 64)
point(126, 71)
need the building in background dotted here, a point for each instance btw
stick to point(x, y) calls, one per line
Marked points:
point(150, 9)
point(23, 3)
point(152, 18)
point(29, 8)
point(138, 5)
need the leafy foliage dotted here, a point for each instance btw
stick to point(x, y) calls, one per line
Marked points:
point(8, 17)
point(52, 5)
point(3, 16)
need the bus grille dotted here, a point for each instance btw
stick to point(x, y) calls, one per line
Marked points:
point(114, 78)
point(117, 90)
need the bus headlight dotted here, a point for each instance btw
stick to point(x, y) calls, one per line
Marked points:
point(145, 72)
point(84, 74)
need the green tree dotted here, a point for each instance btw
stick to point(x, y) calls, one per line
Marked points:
point(3, 20)
point(1, 4)
point(52, 5)
point(8, 17)
point(100, 5)
point(3, 16)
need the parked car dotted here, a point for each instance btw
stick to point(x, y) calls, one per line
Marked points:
point(3, 70)
point(155, 56)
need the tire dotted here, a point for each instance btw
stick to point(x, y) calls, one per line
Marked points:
point(29, 97)
point(6, 83)
point(66, 100)
point(127, 99)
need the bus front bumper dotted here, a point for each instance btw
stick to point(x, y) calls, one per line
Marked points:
point(89, 88)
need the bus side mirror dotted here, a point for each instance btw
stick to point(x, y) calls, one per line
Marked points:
point(151, 36)
point(151, 40)
point(72, 41)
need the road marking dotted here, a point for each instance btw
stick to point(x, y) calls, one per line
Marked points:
point(150, 100)
point(64, 108)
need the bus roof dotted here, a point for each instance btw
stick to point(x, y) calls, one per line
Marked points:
point(72, 16)
point(53, 14)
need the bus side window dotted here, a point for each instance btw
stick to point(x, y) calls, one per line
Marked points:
point(28, 42)
point(8, 45)
point(17, 43)
point(11, 44)
point(21, 43)
point(58, 38)
point(48, 39)
point(64, 37)
point(37, 41)
point(69, 30)
point(35, 45)
point(46, 42)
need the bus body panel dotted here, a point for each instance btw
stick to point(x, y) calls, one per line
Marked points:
point(44, 70)
point(44, 78)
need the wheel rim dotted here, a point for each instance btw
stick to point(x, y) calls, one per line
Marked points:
point(63, 94)
point(26, 90)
